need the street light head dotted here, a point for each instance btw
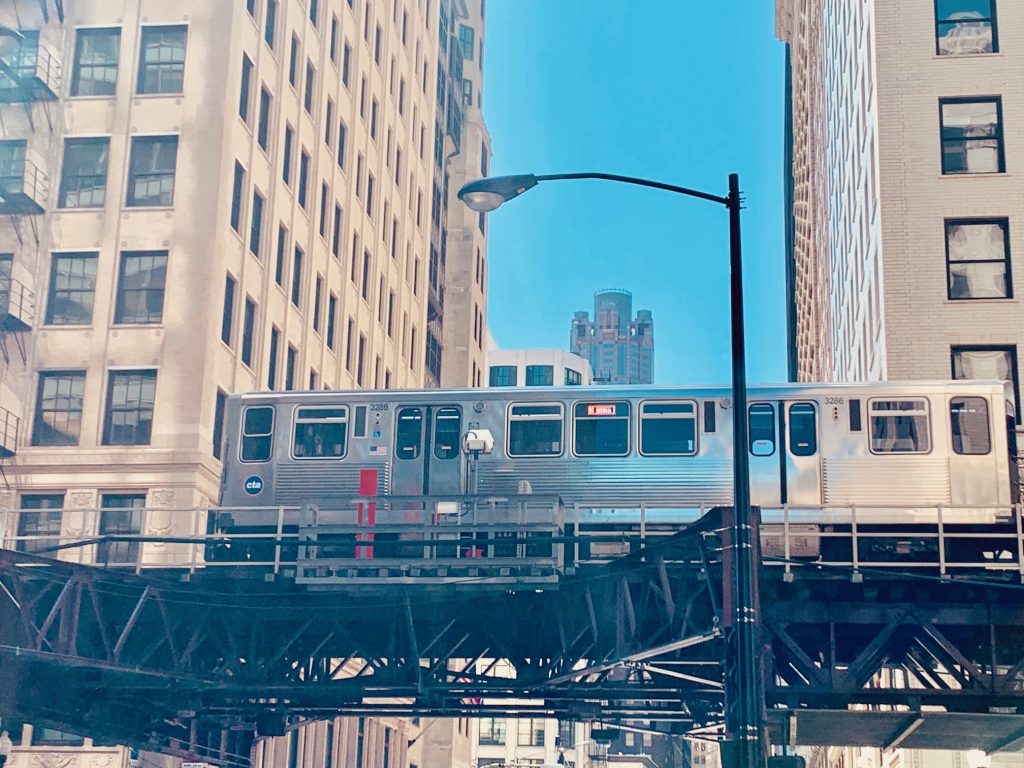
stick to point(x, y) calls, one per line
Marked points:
point(484, 195)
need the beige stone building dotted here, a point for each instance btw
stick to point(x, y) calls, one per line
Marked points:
point(906, 198)
point(906, 203)
point(199, 198)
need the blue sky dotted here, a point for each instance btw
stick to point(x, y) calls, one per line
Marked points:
point(650, 89)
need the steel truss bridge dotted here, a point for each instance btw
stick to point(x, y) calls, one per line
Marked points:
point(897, 637)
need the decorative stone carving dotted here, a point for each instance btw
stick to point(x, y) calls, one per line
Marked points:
point(54, 760)
point(102, 761)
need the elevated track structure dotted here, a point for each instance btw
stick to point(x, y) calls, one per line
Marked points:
point(198, 638)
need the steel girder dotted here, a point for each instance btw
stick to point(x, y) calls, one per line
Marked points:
point(193, 668)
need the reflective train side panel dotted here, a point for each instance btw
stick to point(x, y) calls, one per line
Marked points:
point(903, 444)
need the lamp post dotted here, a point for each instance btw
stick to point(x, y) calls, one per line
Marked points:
point(745, 700)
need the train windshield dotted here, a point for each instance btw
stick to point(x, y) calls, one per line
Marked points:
point(668, 429)
point(257, 434)
point(320, 433)
point(968, 417)
point(601, 429)
point(535, 430)
point(899, 426)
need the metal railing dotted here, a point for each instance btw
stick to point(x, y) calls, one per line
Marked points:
point(31, 73)
point(383, 539)
point(10, 427)
point(17, 305)
point(24, 187)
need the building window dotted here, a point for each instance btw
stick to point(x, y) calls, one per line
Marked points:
point(275, 345)
point(297, 277)
point(289, 370)
point(370, 184)
point(72, 289)
point(323, 209)
point(314, 12)
point(151, 171)
point(504, 376)
point(346, 60)
point(361, 360)
point(140, 297)
point(332, 312)
point(540, 375)
point(263, 124)
point(349, 342)
point(365, 288)
point(293, 62)
point(531, 732)
point(978, 258)
point(256, 224)
point(342, 135)
point(282, 247)
point(130, 398)
point(40, 516)
point(303, 178)
point(573, 378)
point(334, 39)
point(965, 26)
point(83, 181)
point(467, 92)
point(248, 330)
point(58, 417)
point(96, 56)
point(218, 422)
point(162, 60)
point(336, 235)
point(228, 314)
point(988, 362)
point(466, 41)
point(492, 730)
point(329, 124)
point(310, 87)
point(243, 93)
point(286, 166)
point(237, 190)
point(120, 515)
point(374, 110)
point(318, 292)
point(270, 23)
point(972, 135)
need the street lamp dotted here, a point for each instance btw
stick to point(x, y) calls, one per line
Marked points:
point(743, 718)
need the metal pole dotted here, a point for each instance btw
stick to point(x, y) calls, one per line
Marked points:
point(744, 718)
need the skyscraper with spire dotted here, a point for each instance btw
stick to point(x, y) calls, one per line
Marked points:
point(619, 346)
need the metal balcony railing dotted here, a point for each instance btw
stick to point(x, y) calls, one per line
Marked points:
point(9, 428)
point(24, 188)
point(17, 305)
point(32, 73)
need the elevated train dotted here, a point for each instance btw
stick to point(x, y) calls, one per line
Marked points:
point(892, 449)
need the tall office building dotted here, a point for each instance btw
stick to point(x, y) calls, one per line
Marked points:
point(619, 346)
point(906, 203)
point(905, 208)
point(199, 198)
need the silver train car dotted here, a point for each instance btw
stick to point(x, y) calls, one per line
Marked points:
point(877, 446)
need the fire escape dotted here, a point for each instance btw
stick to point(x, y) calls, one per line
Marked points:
point(29, 83)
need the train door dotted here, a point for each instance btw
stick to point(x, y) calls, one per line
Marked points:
point(801, 471)
point(428, 451)
point(763, 447)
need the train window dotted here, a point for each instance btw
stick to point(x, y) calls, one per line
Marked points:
point(601, 429)
point(535, 430)
point(803, 429)
point(709, 416)
point(899, 426)
point(969, 419)
point(320, 433)
point(447, 433)
point(257, 433)
point(855, 423)
point(409, 433)
point(359, 428)
point(761, 424)
point(668, 429)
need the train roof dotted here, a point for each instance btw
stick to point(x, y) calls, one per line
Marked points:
point(640, 390)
